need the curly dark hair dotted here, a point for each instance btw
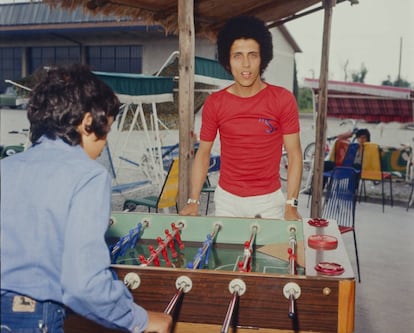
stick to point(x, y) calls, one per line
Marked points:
point(365, 132)
point(246, 27)
point(59, 102)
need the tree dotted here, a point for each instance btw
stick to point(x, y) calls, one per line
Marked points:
point(345, 68)
point(397, 83)
point(295, 81)
point(387, 82)
point(305, 99)
point(360, 76)
point(401, 83)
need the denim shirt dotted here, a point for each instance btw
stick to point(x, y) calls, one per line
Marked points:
point(55, 210)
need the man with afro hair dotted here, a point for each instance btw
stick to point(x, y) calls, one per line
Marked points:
point(254, 120)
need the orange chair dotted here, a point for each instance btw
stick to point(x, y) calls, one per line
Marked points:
point(372, 170)
point(338, 152)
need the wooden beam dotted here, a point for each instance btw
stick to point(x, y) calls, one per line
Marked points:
point(185, 96)
point(320, 135)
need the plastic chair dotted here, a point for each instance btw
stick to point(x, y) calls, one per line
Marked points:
point(338, 152)
point(371, 169)
point(410, 197)
point(208, 189)
point(340, 202)
point(396, 161)
point(167, 197)
point(106, 160)
point(347, 159)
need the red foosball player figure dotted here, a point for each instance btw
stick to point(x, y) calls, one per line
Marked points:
point(244, 266)
point(292, 260)
point(142, 260)
point(163, 251)
point(155, 259)
point(170, 241)
point(177, 235)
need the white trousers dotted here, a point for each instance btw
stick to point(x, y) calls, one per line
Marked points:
point(270, 205)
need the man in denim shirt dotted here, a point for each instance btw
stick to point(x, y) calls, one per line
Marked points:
point(55, 209)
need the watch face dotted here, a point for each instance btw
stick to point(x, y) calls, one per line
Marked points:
point(293, 202)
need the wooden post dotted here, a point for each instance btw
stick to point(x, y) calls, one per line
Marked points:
point(185, 95)
point(320, 135)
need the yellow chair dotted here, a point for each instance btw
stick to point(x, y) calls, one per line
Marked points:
point(167, 197)
point(372, 170)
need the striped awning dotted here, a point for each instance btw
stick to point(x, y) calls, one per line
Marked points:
point(369, 102)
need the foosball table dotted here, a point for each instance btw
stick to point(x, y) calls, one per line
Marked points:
point(216, 274)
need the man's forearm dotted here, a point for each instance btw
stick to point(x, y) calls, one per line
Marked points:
point(295, 166)
point(198, 175)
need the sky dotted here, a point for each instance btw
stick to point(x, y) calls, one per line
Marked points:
point(367, 34)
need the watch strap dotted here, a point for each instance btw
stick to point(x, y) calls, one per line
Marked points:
point(193, 201)
point(293, 202)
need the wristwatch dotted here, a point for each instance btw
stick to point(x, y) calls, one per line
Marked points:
point(193, 201)
point(293, 202)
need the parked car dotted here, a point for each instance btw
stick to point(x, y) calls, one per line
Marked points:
point(6, 151)
point(11, 99)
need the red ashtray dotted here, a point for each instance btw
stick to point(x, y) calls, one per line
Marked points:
point(329, 268)
point(322, 242)
point(317, 222)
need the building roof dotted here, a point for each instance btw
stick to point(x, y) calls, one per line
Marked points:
point(372, 103)
point(36, 13)
point(20, 22)
point(30, 18)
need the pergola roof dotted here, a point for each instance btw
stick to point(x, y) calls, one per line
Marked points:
point(209, 15)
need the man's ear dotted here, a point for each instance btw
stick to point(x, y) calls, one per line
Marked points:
point(85, 124)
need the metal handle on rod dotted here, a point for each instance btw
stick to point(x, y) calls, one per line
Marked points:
point(173, 301)
point(291, 300)
point(183, 285)
point(237, 288)
point(229, 314)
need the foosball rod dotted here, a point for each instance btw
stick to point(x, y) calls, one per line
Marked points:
point(184, 285)
point(249, 249)
point(206, 245)
point(132, 237)
point(174, 301)
point(229, 314)
point(163, 245)
point(237, 288)
point(292, 251)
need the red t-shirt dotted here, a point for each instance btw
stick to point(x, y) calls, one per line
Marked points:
point(251, 137)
